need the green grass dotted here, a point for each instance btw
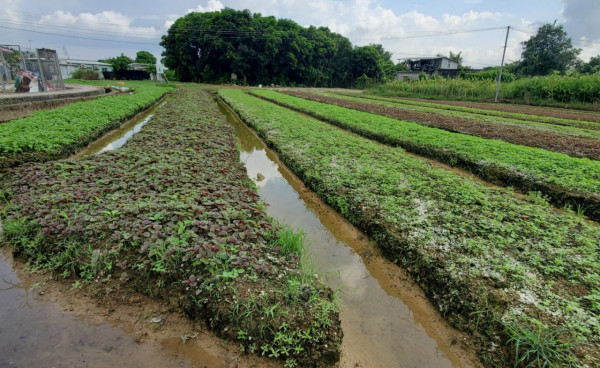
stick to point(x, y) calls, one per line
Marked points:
point(566, 180)
point(482, 255)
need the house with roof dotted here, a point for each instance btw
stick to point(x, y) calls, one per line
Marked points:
point(438, 66)
point(68, 66)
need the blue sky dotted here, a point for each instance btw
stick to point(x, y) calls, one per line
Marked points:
point(111, 27)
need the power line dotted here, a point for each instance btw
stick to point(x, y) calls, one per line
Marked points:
point(49, 27)
point(80, 37)
point(527, 33)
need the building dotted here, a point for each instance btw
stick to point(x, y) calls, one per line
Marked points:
point(68, 66)
point(439, 66)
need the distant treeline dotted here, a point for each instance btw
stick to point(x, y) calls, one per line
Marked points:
point(210, 47)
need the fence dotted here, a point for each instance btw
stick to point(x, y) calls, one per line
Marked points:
point(26, 72)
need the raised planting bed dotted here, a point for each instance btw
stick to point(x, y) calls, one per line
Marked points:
point(561, 113)
point(53, 134)
point(173, 214)
point(571, 141)
point(565, 180)
point(517, 273)
point(580, 119)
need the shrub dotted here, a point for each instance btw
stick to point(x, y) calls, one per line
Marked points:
point(85, 74)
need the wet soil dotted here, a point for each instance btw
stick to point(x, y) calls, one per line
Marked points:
point(45, 323)
point(569, 114)
point(386, 318)
point(568, 144)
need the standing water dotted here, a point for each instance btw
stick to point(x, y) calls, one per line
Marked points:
point(386, 320)
point(118, 137)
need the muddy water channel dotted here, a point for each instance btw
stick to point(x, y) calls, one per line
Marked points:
point(386, 319)
point(117, 138)
point(36, 333)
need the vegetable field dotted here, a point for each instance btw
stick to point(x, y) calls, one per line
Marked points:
point(568, 181)
point(516, 272)
point(173, 214)
point(52, 134)
point(569, 140)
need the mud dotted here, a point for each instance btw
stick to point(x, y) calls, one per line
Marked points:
point(386, 318)
point(45, 323)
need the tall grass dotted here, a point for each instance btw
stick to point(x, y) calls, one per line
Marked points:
point(458, 89)
point(536, 90)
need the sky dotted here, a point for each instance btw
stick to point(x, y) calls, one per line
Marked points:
point(410, 29)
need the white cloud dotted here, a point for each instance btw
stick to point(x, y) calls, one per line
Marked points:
point(108, 22)
point(469, 18)
point(212, 5)
point(581, 24)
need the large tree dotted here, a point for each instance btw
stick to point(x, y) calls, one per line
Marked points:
point(145, 57)
point(547, 51)
point(209, 47)
point(365, 61)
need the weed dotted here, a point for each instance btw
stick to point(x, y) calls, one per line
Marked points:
point(536, 345)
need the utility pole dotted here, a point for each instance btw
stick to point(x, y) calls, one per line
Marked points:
point(501, 65)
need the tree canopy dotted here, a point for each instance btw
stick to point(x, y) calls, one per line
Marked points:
point(591, 67)
point(119, 63)
point(145, 57)
point(212, 46)
point(547, 51)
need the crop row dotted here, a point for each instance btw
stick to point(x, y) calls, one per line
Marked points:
point(582, 121)
point(565, 180)
point(551, 138)
point(173, 214)
point(560, 126)
point(531, 112)
point(504, 267)
point(52, 134)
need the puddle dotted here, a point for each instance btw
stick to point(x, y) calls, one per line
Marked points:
point(36, 333)
point(387, 321)
point(117, 138)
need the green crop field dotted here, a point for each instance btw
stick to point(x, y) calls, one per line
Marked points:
point(172, 214)
point(52, 134)
point(566, 180)
point(507, 268)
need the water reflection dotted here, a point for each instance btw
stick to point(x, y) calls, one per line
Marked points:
point(380, 330)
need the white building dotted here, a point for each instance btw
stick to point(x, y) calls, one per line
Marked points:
point(68, 66)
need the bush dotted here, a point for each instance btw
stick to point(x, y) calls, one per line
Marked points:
point(85, 74)
point(585, 88)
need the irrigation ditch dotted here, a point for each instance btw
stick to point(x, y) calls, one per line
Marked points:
point(386, 318)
